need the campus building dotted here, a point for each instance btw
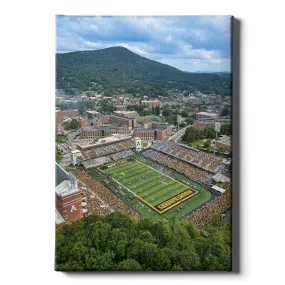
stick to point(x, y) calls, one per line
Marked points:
point(58, 116)
point(70, 113)
point(206, 115)
point(203, 124)
point(68, 198)
point(90, 132)
point(91, 114)
point(191, 110)
point(126, 114)
point(150, 103)
point(153, 131)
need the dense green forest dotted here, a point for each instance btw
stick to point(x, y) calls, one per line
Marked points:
point(117, 242)
point(114, 70)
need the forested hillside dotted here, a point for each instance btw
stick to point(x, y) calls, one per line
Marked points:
point(117, 69)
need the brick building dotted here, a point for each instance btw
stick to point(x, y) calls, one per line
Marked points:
point(102, 126)
point(203, 124)
point(70, 113)
point(224, 121)
point(150, 103)
point(91, 132)
point(143, 119)
point(84, 122)
point(68, 199)
point(153, 131)
point(206, 115)
point(145, 134)
point(161, 134)
point(130, 123)
point(91, 114)
point(191, 110)
point(126, 114)
point(163, 126)
point(58, 116)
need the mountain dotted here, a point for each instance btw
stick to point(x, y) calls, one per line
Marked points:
point(118, 69)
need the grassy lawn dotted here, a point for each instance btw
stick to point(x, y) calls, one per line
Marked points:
point(71, 168)
point(144, 178)
point(61, 139)
point(57, 155)
point(197, 143)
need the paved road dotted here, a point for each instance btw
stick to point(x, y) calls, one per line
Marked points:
point(178, 135)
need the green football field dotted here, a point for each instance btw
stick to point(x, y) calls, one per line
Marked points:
point(155, 189)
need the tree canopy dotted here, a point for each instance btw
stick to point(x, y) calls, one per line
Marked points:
point(117, 242)
point(71, 125)
point(226, 129)
point(193, 134)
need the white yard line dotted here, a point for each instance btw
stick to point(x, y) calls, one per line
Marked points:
point(125, 187)
point(163, 173)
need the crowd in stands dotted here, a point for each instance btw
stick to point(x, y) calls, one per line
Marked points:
point(111, 201)
point(122, 154)
point(96, 207)
point(96, 161)
point(203, 215)
point(195, 174)
point(107, 149)
point(190, 155)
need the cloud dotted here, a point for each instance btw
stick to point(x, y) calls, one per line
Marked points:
point(190, 43)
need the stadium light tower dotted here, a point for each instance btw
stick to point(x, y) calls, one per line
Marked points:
point(179, 119)
point(217, 129)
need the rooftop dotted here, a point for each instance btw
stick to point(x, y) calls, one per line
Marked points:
point(148, 116)
point(58, 217)
point(219, 177)
point(207, 114)
point(75, 151)
point(68, 110)
point(87, 128)
point(124, 112)
point(113, 138)
point(94, 119)
point(219, 189)
point(226, 140)
point(144, 130)
point(66, 187)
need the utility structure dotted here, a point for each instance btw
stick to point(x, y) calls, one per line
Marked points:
point(217, 129)
point(179, 120)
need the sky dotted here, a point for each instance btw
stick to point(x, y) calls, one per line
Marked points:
point(189, 43)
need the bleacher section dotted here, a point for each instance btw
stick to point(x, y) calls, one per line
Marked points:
point(194, 173)
point(95, 161)
point(190, 155)
point(104, 154)
point(107, 149)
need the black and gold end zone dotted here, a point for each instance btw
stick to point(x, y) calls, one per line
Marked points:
point(114, 163)
point(176, 200)
point(173, 201)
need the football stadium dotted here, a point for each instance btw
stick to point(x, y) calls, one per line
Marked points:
point(167, 179)
point(156, 190)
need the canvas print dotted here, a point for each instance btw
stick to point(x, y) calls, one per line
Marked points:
point(143, 143)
